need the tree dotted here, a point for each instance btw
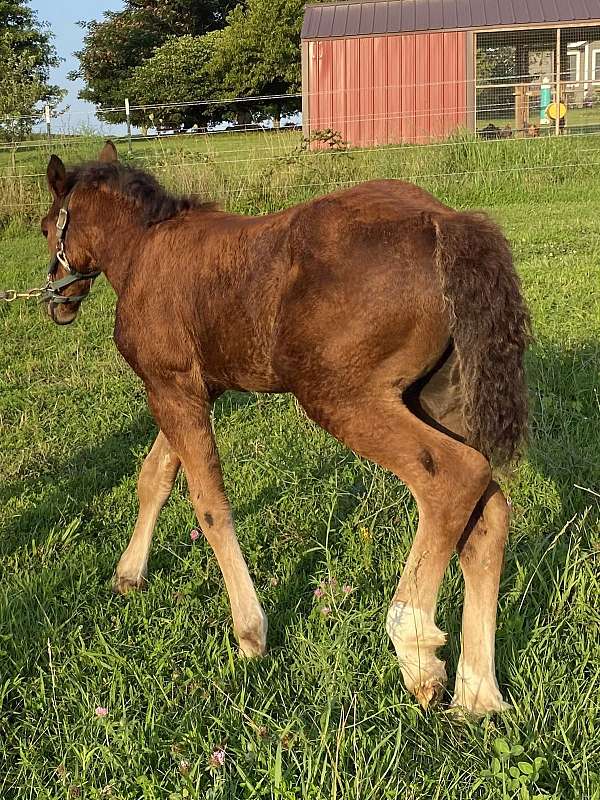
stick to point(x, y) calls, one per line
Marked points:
point(26, 56)
point(122, 41)
point(180, 71)
point(259, 54)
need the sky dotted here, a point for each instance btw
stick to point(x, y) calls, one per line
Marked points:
point(63, 16)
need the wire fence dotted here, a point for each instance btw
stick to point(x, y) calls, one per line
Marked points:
point(530, 113)
point(283, 190)
point(515, 83)
point(358, 153)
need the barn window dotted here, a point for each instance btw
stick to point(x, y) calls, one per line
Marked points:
point(573, 71)
point(596, 65)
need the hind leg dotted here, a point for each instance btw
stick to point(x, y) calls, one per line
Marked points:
point(481, 553)
point(447, 479)
point(443, 505)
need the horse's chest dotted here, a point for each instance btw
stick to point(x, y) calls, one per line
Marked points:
point(149, 347)
point(128, 343)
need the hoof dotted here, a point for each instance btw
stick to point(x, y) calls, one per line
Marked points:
point(430, 692)
point(416, 638)
point(476, 696)
point(477, 708)
point(252, 648)
point(426, 682)
point(122, 584)
point(253, 640)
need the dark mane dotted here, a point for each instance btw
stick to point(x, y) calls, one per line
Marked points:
point(153, 201)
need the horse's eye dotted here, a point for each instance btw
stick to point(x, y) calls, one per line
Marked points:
point(45, 232)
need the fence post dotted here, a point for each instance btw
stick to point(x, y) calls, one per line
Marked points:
point(557, 104)
point(47, 118)
point(128, 115)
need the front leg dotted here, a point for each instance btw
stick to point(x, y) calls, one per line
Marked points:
point(155, 483)
point(186, 422)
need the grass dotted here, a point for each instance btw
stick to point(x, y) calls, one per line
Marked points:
point(257, 172)
point(578, 119)
point(324, 715)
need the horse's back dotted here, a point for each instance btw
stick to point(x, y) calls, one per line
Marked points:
point(363, 287)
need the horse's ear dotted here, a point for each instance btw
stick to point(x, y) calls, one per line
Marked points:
point(108, 152)
point(57, 176)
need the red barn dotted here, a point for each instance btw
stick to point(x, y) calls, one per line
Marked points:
point(417, 70)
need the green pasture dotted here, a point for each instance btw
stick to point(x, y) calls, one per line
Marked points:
point(264, 171)
point(324, 715)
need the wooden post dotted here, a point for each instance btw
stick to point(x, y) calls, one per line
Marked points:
point(306, 77)
point(521, 110)
point(47, 118)
point(471, 81)
point(128, 116)
point(557, 104)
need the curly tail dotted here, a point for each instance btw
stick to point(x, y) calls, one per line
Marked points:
point(490, 326)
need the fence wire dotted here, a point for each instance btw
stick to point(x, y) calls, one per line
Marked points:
point(540, 88)
point(286, 188)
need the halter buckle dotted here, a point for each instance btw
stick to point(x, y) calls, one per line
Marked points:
point(61, 222)
point(62, 256)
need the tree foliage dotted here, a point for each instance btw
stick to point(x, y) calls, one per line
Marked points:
point(497, 66)
point(26, 56)
point(169, 51)
point(114, 46)
point(180, 71)
point(259, 53)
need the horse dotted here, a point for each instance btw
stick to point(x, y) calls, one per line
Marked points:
point(397, 322)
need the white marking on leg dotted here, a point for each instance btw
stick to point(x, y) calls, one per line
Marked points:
point(409, 625)
point(416, 638)
point(155, 482)
point(476, 689)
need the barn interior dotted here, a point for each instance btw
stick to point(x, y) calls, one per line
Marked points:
point(521, 73)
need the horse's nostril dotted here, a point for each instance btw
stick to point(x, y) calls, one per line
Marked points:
point(59, 315)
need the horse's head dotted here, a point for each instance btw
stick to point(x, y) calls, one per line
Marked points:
point(72, 269)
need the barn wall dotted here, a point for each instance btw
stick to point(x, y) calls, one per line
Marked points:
point(379, 90)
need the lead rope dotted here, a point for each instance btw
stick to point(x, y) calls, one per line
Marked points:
point(10, 295)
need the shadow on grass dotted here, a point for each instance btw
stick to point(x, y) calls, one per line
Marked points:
point(565, 406)
point(564, 451)
point(75, 483)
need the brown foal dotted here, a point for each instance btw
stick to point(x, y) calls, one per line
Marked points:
point(397, 322)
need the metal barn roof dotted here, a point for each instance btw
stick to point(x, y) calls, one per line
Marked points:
point(371, 17)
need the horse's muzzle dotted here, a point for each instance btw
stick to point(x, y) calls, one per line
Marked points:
point(62, 314)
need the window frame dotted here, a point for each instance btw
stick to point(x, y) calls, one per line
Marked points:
point(595, 66)
point(577, 56)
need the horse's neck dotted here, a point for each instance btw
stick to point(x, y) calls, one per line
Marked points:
point(117, 249)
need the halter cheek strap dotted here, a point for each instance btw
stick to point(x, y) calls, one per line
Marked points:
point(53, 289)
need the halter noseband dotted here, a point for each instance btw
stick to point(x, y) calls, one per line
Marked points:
point(53, 289)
